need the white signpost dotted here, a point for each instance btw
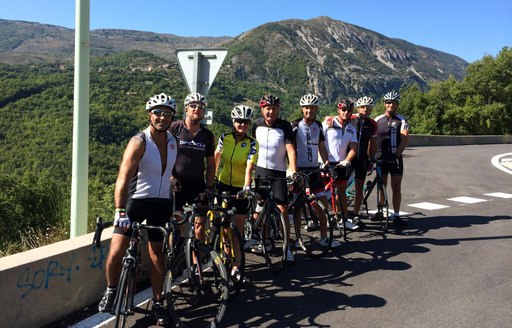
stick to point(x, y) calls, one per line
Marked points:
point(199, 68)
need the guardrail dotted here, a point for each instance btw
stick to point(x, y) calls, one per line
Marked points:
point(45, 284)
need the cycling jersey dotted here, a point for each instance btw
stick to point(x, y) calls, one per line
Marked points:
point(272, 141)
point(337, 139)
point(307, 138)
point(388, 133)
point(149, 180)
point(192, 152)
point(366, 130)
point(235, 156)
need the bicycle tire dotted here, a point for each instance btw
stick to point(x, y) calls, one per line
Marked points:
point(228, 258)
point(382, 209)
point(201, 301)
point(275, 238)
point(124, 296)
point(307, 230)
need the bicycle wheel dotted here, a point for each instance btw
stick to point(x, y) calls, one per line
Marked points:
point(229, 245)
point(124, 297)
point(275, 239)
point(382, 207)
point(201, 299)
point(307, 229)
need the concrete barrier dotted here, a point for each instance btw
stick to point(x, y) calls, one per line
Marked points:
point(46, 284)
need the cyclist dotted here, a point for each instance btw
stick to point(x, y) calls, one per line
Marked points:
point(197, 146)
point(310, 142)
point(276, 145)
point(142, 192)
point(366, 148)
point(238, 153)
point(392, 138)
point(341, 144)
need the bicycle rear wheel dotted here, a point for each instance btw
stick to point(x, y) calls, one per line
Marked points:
point(307, 229)
point(382, 207)
point(229, 245)
point(275, 239)
point(124, 298)
point(201, 299)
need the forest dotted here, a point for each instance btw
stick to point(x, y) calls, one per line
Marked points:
point(36, 106)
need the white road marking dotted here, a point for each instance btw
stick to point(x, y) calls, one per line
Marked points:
point(428, 206)
point(502, 164)
point(467, 200)
point(499, 195)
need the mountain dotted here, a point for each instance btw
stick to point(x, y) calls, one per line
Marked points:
point(333, 58)
point(27, 42)
point(321, 55)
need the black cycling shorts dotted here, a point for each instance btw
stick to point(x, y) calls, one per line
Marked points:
point(316, 184)
point(279, 187)
point(188, 192)
point(342, 173)
point(360, 166)
point(393, 168)
point(156, 211)
point(241, 205)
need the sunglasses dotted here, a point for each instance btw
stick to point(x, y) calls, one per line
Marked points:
point(346, 109)
point(391, 102)
point(196, 106)
point(160, 113)
point(241, 121)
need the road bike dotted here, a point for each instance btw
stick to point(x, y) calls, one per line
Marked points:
point(123, 303)
point(196, 283)
point(269, 229)
point(382, 213)
point(224, 237)
point(307, 213)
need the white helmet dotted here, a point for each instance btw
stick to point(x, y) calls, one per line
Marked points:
point(309, 100)
point(392, 96)
point(364, 101)
point(195, 97)
point(241, 112)
point(161, 100)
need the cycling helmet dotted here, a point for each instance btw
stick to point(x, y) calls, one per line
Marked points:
point(195, 97)
point(241, 112)
point(345, 103)
point(392, 96)
point(309, 100)
point(161, 100)
point(269, 100)
point(364, 101)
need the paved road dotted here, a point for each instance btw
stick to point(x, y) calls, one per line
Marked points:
point(451, 266)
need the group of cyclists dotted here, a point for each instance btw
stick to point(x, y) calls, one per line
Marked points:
point(182, 156)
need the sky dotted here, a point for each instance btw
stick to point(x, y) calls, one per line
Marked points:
point(469, 29)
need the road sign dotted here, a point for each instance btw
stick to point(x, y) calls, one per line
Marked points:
point(200, 66)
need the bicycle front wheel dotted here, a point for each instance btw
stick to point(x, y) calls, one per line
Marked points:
point(200, 300)
point(229, 244)
point(308, 225)
point(275, 239)
point(382, 207)
point(124, 298)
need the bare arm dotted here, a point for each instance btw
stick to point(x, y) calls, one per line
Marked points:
point(372, 148)
point(217, 157)
point(324, 155)
point(131, 158)
point(248, 173)
point(352, 152)
point(210, 171)
point(404, 140)
point(292, 157)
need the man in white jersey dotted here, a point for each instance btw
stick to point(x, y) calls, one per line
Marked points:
point(310, 141)
point(277, 145)
point(142, 192)
point(341, 143)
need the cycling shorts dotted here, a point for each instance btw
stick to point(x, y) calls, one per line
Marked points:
point(156, 211)
point(395, 168)
point(360, 166)
point(316, 184)
point(188, 193)
point(241, 205)
point(279, 187)
point(342, 173)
